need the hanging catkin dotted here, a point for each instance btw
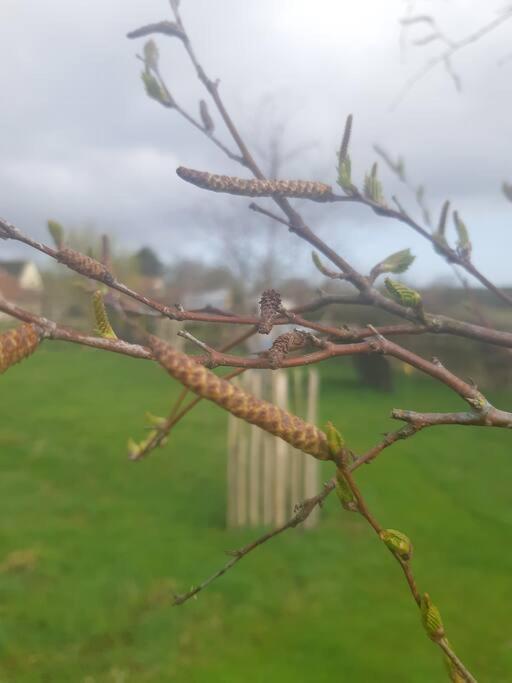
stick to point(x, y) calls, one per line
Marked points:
point(302, 435)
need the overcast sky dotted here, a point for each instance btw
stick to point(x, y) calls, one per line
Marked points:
point(80, 141)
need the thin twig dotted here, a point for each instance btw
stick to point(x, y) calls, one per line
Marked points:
point(364, 511)
point(447, 54)
point(302, 512)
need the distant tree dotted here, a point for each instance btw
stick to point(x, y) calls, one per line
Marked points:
point(148, 263)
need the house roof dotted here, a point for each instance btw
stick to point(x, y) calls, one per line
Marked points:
point(13, 267)
point(9, 287)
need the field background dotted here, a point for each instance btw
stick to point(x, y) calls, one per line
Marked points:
point(93, 546)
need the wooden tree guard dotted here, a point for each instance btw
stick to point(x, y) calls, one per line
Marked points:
point(266, 477)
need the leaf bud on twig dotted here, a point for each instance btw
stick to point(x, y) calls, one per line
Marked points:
point(402, 294)
point(431, 619)
point(57, 233)
point(396, 263)
point(151, 55)
point(345, 493)
point(205, 117)
point(464, 244)
point(397, 542)
point(373, 186)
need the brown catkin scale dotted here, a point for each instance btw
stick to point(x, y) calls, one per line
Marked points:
point(17, 344)
point(305, 189)
point(302, 435)
point(270, 307)
point(284, 344)
point(85, 265)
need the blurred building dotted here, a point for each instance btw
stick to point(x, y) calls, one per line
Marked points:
point(21, 284)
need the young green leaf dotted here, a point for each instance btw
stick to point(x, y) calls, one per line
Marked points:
point(396, 263)
point(57, 233)
point(464, 244)
point(335, 441)
point(151, 54)
point(344, 492)
point(373, 186)
point(153, 89)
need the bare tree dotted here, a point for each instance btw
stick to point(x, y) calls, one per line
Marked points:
point(313, 343)
point(421, 30)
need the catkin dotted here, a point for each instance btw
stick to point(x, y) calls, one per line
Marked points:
point(17, 344)
point(103, 326)
point(301, 435)
point(305, 189)
point(85, 265)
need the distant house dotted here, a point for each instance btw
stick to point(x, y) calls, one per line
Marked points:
point(26, 274)
point(21, 283)
point(217, 298)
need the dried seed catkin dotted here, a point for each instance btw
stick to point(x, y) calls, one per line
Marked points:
point(270, 307)
point(284, 344)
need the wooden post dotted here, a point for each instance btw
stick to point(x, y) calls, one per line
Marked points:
point(255, 457)
point(266, 476)
point(233, 429)
point(311, 466)
point(296, 457)
point(269, 462)
point(241, 476)
point(280, 398)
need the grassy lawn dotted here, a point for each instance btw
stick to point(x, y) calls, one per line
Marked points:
point(100, 544)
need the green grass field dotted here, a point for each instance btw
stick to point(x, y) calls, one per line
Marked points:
point(92, 546)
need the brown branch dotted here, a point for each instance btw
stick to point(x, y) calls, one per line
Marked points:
point(436, 324)
point(404, 562)
point(297, 224)
point(400, 215)
point(60, 333)
point(302, 512)
point(193, 121)
point(402, 433)
point(493, 418)
point(295, 221)
point(482, 413)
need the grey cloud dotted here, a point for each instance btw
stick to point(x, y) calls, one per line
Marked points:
point(81, 142)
